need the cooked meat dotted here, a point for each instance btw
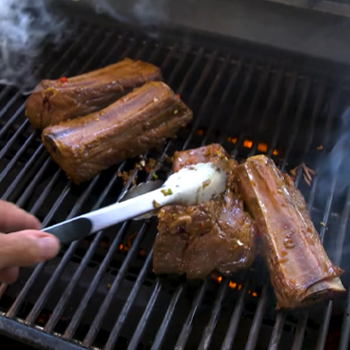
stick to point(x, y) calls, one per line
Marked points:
point(299, 267)
point(136, 123)
point(54, 101)
point(216, 235)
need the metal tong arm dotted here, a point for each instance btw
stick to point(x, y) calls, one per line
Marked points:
point(87, 224)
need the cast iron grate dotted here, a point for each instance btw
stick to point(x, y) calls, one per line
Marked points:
point(100, 292)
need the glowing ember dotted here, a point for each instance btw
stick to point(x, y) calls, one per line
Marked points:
point(248, 143)
point(232, 139)
point(216, 277)
point(232, 285)
point(142, 252)
point(262, 147)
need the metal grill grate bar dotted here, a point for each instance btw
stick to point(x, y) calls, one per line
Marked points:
point(345, 335)
point(254, 330)
point(277, 330)
point(19, 300)
point(73, 325)
point(186, 329)
point(270, 102)
point(286, 104)
point(196, 89)
point(224, 96)
point(300, 331)
point(235, 318)
point(242, 93)
point(143, 322)
point(25, 171)
point(116, 283)
point(125, 311)
point(345, 332)
point(167, 318)
point(296, 124)
point(45, 294)
point(209, 329)
point(299, 336)
point(15, 159)
point(64, 299)
point(6, 108)
point(17, 134)
point(322, 334)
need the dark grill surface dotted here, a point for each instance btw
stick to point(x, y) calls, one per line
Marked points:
point(100, 292)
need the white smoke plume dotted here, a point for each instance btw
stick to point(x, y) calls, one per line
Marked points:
point(336, 165)
point(24, 27)
point(144, 12)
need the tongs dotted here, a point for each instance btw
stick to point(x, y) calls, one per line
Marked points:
point(191, 185)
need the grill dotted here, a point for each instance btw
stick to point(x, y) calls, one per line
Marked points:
point(100, 293)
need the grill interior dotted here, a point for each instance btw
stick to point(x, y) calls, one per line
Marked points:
point(101, 292)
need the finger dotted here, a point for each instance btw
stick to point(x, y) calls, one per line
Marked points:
point(26, 248)
point(9, 275)
point(13, 218)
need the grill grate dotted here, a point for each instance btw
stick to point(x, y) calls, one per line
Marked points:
point(101, 292)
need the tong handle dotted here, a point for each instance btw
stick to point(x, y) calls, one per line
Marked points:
point(87, 224)
point(71, 230)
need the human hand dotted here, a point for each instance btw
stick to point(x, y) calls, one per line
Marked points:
point(25, 245)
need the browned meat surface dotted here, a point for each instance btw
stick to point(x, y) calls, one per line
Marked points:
point(216, 235)
point(299, 267)
point(54, 101)
point(140, 121)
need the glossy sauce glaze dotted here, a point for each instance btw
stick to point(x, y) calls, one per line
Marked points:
point(295, 257)
point(215, 235)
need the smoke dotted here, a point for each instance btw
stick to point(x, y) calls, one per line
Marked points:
point(104, 7)
point(145, 12)
point(336, 165)
point(334, 179)
point(25, 26)
point(140, 12)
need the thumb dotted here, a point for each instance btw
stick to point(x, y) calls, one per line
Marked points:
point(26, 248)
